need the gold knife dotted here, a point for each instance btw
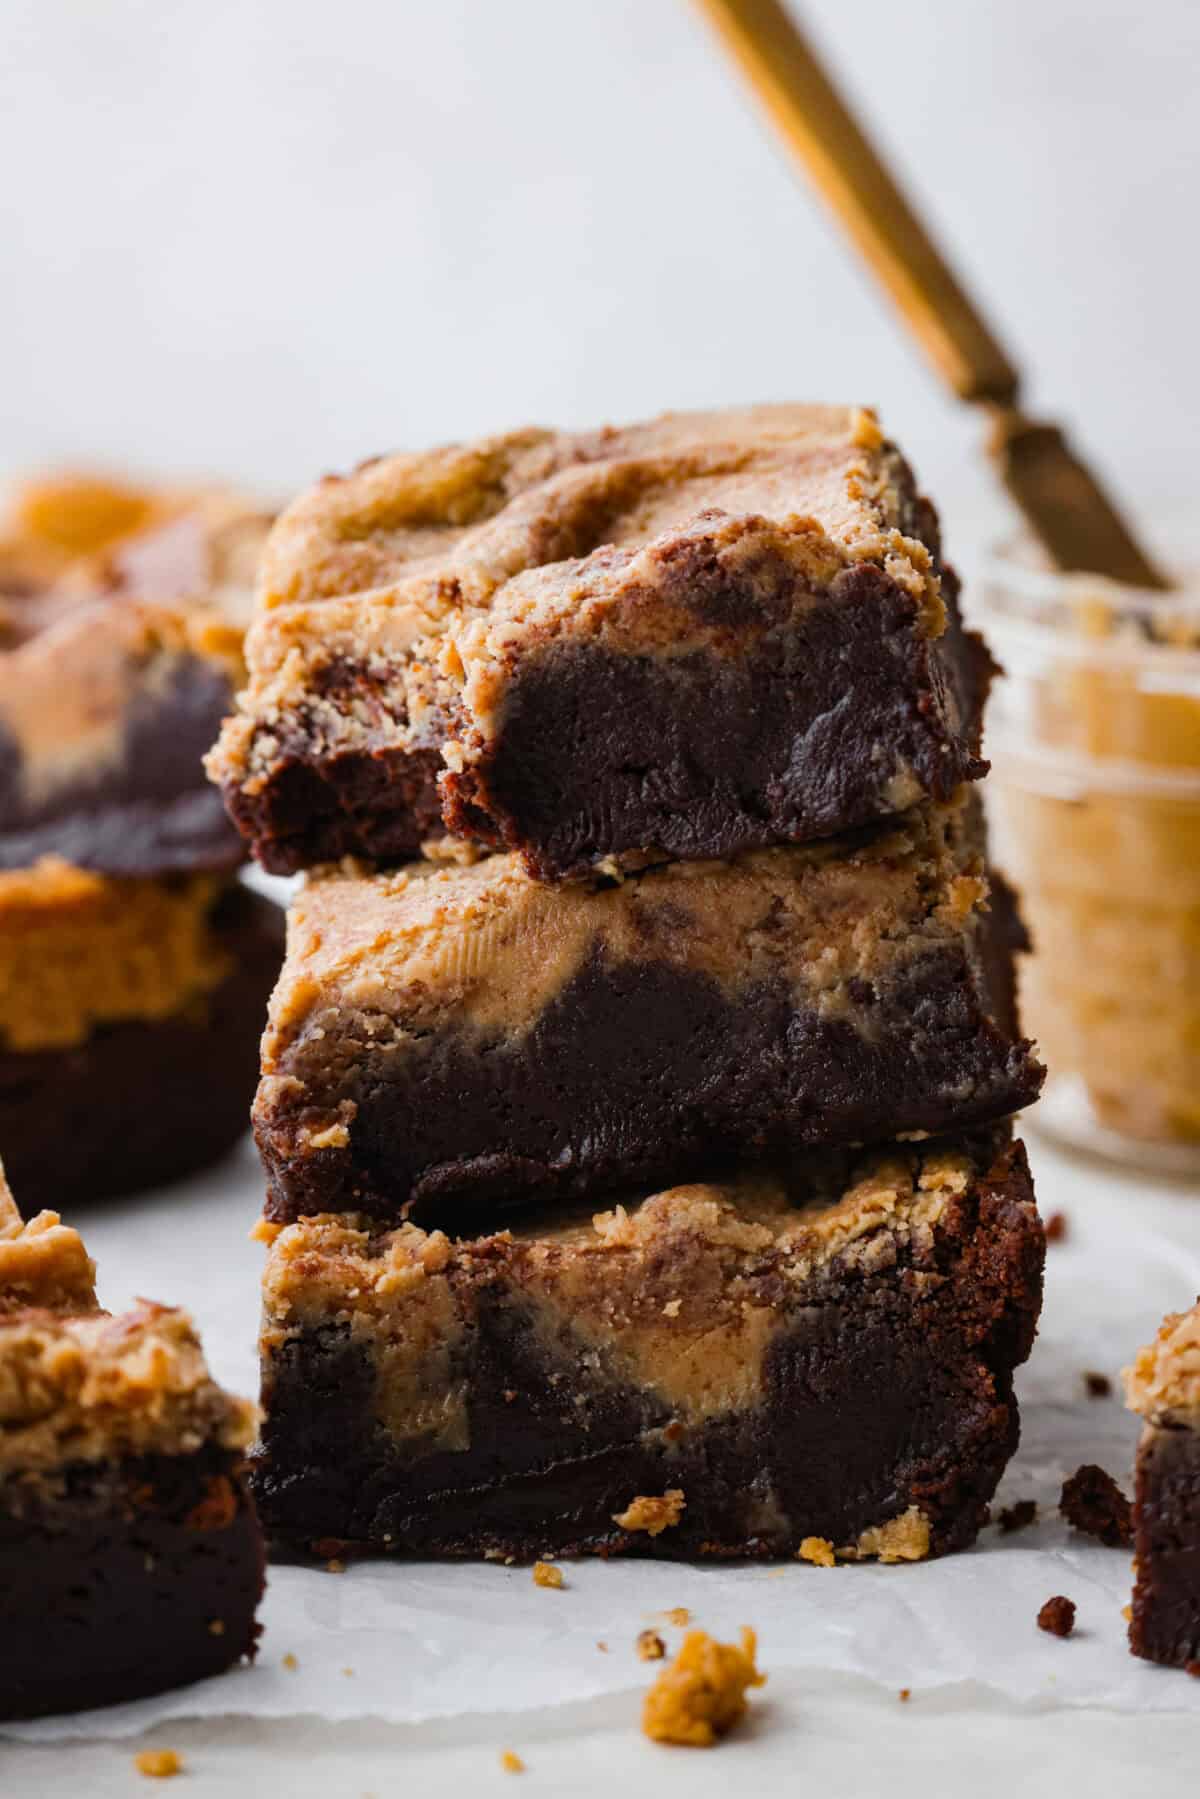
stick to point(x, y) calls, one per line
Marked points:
point(1065, 505)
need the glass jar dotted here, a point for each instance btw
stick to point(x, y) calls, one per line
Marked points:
point(1094, 799)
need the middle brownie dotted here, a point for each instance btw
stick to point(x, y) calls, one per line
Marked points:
point(455, 1034)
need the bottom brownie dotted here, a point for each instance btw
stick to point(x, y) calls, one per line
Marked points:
point(1164, 1386)
point(818, 1366)
point(147, 1099)
point(131, 1559)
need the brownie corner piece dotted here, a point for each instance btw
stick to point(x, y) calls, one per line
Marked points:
point(694, 1372)
point(1163, 1386)
point(701, 634)
point(131, 1558)
point(445, 1036)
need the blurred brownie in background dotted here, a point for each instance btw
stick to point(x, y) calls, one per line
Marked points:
point(130, 1555)
point(134, 967)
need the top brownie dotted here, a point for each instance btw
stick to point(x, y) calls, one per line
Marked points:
point(712, 632)
point(121, 619)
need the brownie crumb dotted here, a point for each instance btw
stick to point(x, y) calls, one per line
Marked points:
point(650, 1646)
point(702, 1694)
point(650, 1514)
point(1192, 1668)
point(1093, 1503)
point(1098, 1385)
point(158, 1764)
point(1057, 1616)
point(905, 1695)
point(511, 1762)
point(601, 1646)
point(1018, 1516)
point(1056, 1227)
point(545, 1574)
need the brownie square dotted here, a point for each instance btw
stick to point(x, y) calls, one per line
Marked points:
point(685, 638)
point(455, 1035)
point(816, 1362)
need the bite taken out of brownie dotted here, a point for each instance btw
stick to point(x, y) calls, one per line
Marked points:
point(454, 1035)
point(703, 634)
point(818, 1365)
point(1163, 1386)
point(131, 1558)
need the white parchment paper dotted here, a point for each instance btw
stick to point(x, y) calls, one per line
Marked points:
point(408, 1641)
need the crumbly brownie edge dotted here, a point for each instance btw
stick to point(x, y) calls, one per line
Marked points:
point(125, 1579)
point(832, 1452)
point(143, 1103)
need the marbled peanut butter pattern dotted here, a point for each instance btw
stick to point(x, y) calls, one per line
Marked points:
point(377, 963)
point(678, 1295)
point(425, 571)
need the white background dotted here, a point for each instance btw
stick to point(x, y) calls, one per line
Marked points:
point(268, 237)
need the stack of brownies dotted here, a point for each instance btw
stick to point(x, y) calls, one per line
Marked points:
point(635, 1098)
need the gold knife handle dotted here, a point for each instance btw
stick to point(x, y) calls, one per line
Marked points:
point(846, 168)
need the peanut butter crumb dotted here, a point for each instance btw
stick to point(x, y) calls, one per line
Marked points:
point(290, 1662)
point(334, 1566)
point(265, 1232)
point(545, 1574)
point(216, 1627)
point(905, 1695)
point(652, 1515)
point(702, 1694)
point(511, 1762)
point(818, 1550)
point(679, 1616)
point(902, 1539)
point(650, 1646)
point(159, 1764)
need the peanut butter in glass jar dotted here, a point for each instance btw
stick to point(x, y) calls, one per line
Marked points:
point(1094, 735)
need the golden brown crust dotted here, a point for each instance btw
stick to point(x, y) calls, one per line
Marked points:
point(1165, 1377)
point(80, 950)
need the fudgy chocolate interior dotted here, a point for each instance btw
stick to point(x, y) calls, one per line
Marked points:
point(1165, 1622)
point(124, 1579)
